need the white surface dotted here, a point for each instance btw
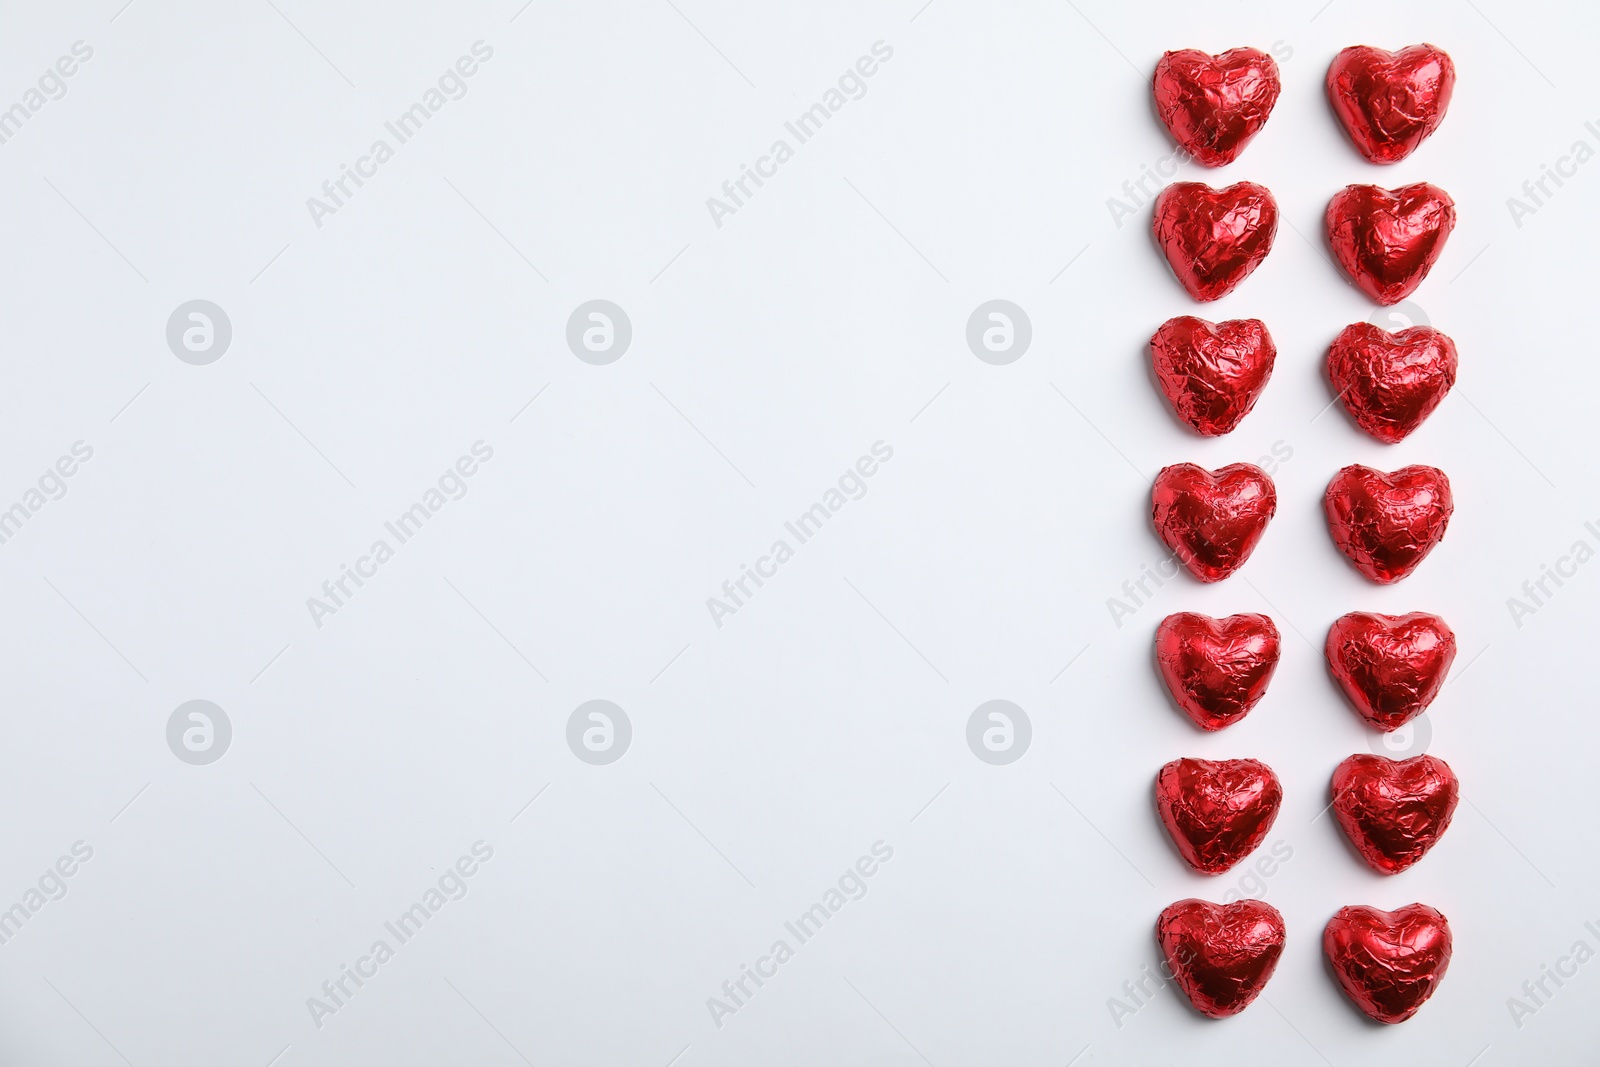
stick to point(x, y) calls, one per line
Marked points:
point(772, 752)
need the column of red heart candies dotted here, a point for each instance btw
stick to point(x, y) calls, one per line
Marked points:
point(1390, 667)
point(1386, 241)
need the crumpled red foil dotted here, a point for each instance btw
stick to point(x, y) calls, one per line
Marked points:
point(1214, 105)
point(1390, 382)
point(1212, 521)
point(1217, 669)
point(1212, 373)
point(1214, 238)
point(1217, 811)
point(1387, 240)
point(1390, 667)
point(1388, 523)
point(1394, 811)
point(1388, 962)
point(1220, 955)
point(1390, 102)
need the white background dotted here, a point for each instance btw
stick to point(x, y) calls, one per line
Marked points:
point(768, 354)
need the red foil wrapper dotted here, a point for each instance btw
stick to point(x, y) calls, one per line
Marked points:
point(1221, 955)
point(1214, 238)
point(1388, 962)
point(1390, 102)
point(1212, 373)
point(1387, 240)
point(1390, 666)
point(1390, 382)
point(1216, 669)
point(1388, 523)
point(1214, 105)
point(1212, 521)
point(1217, 812)
point(1393, 811)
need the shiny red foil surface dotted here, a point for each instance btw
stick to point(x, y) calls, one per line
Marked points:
point(1212, 521)
point(1390, 102)
point(1214, 105)
point(1388, 962)
point(1217, 669)
point(1394, 811)
point(1388, 523)
point(1390, 382)
point(1221, 955)
point(1217, 811)
point(1390, 667)
point(1214, 238)
point(1387, 240)
point(1212, 373)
